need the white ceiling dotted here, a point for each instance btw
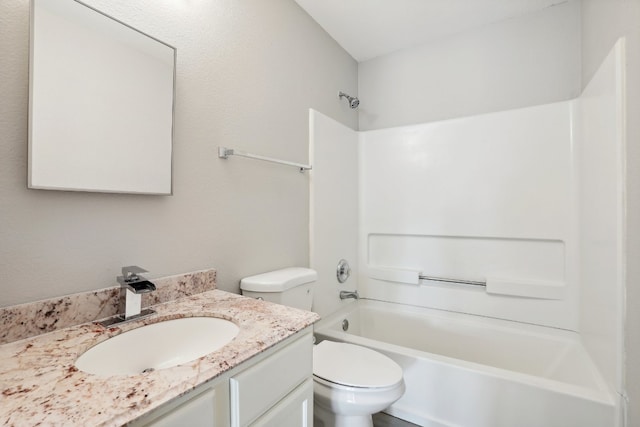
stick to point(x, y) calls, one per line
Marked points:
point(370, 28)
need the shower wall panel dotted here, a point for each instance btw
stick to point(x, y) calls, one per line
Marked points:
point(333, 227)
point(602, 233)
point(484, 198)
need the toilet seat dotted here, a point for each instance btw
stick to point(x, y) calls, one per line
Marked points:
point(354, 366)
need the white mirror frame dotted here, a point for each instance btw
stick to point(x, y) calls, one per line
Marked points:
point(101, 103)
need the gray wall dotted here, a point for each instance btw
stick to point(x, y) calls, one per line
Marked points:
point(603, 22)
point(528, 60)
point(247, 73)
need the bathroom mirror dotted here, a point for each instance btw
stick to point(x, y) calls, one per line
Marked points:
point(101, 97)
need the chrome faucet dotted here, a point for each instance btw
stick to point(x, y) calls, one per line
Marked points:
point(134, 285)
point(349, 294)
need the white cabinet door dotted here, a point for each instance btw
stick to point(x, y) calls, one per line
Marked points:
point(295, 410)
point(257, 389)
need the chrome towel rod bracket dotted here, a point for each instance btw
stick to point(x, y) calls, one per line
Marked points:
point(224, 153)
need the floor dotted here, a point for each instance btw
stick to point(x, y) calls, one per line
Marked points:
point(383, 420)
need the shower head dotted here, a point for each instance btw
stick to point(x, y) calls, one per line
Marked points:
point(353, 101)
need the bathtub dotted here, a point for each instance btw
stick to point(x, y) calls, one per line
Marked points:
point(471, 371)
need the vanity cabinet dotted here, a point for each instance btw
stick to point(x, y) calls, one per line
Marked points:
point(272, 389)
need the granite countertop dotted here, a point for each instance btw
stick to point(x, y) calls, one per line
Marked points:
point(41, 386)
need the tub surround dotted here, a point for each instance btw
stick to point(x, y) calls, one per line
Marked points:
point(31, 319)
point(41, 385)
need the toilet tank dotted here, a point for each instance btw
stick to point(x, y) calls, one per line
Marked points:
point(290, 286)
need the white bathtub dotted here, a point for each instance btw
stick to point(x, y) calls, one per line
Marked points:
point(470, 371)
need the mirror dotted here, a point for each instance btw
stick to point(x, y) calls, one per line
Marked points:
point(101, 100)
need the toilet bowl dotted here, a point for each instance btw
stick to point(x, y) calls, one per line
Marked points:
point(351, 383)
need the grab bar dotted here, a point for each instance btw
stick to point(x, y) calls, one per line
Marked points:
point(526, 288)
point(458, 281)
point(224, 153)
point(414, 277)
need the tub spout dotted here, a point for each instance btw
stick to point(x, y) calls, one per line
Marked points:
point(349, 294)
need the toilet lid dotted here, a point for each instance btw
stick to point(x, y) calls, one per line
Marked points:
point(354, 366)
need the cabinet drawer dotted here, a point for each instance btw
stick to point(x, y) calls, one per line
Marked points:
point(189, 410)
point(257, 389)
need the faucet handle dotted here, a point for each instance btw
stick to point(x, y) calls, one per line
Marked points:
point(130, 273)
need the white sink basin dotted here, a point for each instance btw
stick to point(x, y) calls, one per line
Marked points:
point(158, 346)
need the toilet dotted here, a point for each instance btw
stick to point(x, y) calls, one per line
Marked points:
point(350, 382)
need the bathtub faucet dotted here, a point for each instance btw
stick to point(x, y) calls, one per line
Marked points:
point(349, 294)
